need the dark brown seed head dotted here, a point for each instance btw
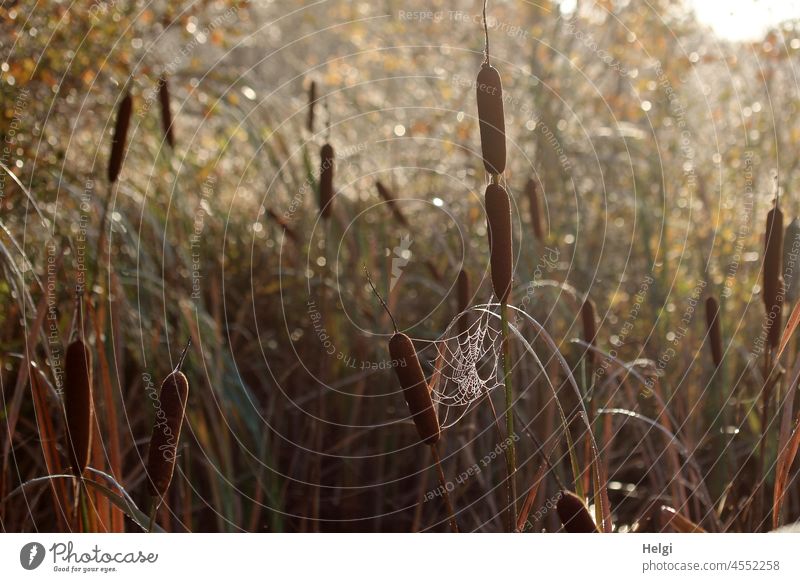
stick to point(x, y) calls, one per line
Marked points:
point(773, 277)
point(166, 112)
point(415, 389)
point(326, 180)
point(536, 213)
point(389, 198)
point(498, 213)
point(714, 332)
point(312, 101)
point(166, 432)
point(492, 122)
point(574, 514)
point(120, 137)
point(78, 404)
point(463, 300)
point(773, 255)
point(589, 321)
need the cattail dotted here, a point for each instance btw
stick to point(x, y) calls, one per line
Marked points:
point(574, 514)
point(120, 136)
point(498, 213)
point(326, 180)
point(415, 388)
point(166, 113)
point(791, 260)
point(389, 198)
point(312, 101)
point(78, 404)
point(492, 123)
point(463, 300)
point(714, 333)
point(773, 279)
point(589, 327)
point(167, 431)
point(535, 210)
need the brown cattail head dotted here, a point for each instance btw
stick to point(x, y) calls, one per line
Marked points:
point(714, 332)
point(773, 278)
point(78, 404)
point(498, 213)
point(589, 321)
point(326, 180)
point(166, 112)
point(120, 137)
point(415, 389)
point(312, 102)
point(574, 514)
point(166, 432)
point(389, 198)
point(492, 122)
point(463, 289)
point(536, 212)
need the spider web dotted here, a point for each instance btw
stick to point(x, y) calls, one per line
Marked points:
point(469, 369)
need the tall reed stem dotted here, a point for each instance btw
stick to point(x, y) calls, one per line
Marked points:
point(511, 452)
point(451, 515)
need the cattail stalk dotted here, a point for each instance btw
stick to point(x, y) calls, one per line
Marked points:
point(714, 331)
point(389, 198)
point(120, 137)
point(312, 102)
point(463, 291)
point(326, 180)
point(773, 276)
point(589, 321)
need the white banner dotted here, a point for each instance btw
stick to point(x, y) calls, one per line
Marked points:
point(382, 557)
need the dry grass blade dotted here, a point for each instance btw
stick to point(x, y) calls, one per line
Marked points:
point(679, 523)
point(791, 325)
point(389, 198)
point(78, 404)
point(589, 321)
point(120, 137)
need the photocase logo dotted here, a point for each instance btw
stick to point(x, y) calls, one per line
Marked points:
point(401, 254)
point(31, 555)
